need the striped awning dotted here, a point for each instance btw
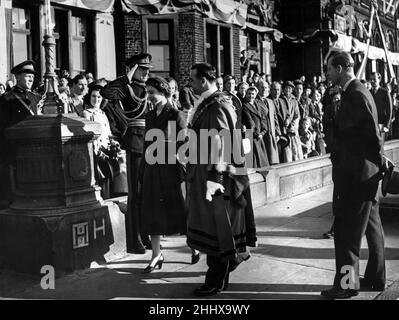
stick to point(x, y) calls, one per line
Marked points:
point(98, 5)
point(228, 11)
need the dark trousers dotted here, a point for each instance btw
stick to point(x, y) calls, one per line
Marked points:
point(348, 233)
point(218, 271)
point(132, 218)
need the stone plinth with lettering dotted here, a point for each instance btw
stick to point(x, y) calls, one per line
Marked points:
point(58, 217)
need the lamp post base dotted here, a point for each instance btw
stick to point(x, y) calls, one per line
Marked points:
point(67, 241)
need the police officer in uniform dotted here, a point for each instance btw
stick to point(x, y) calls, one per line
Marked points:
point(126, 111)
point(15, 106)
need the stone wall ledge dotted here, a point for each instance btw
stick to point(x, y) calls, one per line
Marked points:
point(294, 178)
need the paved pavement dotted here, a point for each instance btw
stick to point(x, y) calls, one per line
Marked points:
point(292, 261)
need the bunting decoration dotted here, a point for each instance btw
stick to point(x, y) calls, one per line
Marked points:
point(228, 11)
point(98, 5)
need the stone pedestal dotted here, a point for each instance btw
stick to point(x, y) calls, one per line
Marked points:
point(58, 217)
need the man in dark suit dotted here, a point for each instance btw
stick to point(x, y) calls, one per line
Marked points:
point(383, 103)
point(128, 97)
point(16, 105)
point(357, 162)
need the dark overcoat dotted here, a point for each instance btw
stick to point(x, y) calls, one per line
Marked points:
point(292, 128)
point(284, 118)
point(254, 117)
point(163, 208)
point(383, 103)
point(270, 138)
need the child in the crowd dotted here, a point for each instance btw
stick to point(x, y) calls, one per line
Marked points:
point(307, 138)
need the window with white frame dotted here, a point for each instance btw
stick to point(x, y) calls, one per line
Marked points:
point(79, 44)
point(21, 29)
point(160, 46)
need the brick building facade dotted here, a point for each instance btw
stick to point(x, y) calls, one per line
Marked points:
point(194, 35)
point(185, 42)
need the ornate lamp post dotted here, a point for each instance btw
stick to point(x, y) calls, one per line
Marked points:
point(52, 103)
point(58, 217)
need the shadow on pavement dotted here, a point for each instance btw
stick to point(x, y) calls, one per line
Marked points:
point(314, 253)
point(109, 284)
point(309, 234)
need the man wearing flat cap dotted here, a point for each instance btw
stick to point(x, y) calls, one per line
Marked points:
point(15, 106)
point(127, 108)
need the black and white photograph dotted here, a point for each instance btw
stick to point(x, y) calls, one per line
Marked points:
point(199, 156)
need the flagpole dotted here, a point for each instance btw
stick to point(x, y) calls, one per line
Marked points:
point(369, 33)
point(391, 71)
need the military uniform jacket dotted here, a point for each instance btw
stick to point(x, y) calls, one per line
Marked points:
point(15, 106)
point(126, 110)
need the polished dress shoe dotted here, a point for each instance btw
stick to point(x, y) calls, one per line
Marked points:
point(205, 291)
point(335, 293)
point(156, 262)
point(195, 258)
point(367, 285)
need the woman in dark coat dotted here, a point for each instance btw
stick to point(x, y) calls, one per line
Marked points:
point(255, 119)
point(163, 207)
